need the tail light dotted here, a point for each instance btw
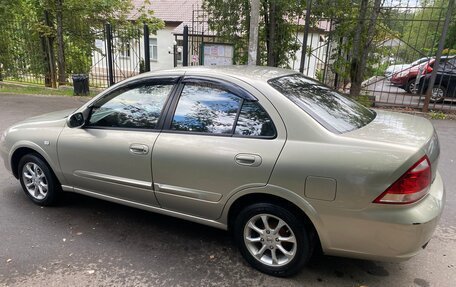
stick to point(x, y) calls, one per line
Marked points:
point(411, 186)
point(427, 69)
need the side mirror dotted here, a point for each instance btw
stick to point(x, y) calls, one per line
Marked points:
point(76, 120)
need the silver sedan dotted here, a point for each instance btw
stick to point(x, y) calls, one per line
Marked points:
point(281, 161)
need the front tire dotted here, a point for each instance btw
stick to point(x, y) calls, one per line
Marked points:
point(272, 239)
point(411, 86)
point(38, 181)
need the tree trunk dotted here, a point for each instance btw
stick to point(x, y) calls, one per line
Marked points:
point(272, 52)
point(47, 68)
point(49, 46)
point(355, 56)
point(253, 31)
point(60, 44)
point(365, 43)
point(266, 25)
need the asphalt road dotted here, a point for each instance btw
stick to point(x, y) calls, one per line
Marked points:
point(88, 242)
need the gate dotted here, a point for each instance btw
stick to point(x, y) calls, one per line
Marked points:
point(108, 54)
point(118, 55)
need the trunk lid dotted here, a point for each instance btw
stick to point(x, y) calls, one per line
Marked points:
point(404, 130)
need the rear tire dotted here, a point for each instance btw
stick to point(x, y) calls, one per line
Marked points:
point(38, 181)
point(272, 239)
point(438, 94)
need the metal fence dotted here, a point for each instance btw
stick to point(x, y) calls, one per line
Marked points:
point(118, 54)
point(401, 59)
point(22, 57)
point(107, 54)
point(406, 31)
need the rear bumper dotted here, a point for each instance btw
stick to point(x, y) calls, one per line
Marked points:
point(386, 232)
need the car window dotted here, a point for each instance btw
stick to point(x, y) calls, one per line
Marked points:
point(452, 64)
point(138, 107)
point(206, 109)
point(419, 61)
point(332, 110)
point(254, 121)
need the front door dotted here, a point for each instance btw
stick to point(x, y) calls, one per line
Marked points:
point(111, 154)
point(218, 141)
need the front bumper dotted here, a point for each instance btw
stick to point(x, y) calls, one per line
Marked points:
point(4, 151)
point(386, 232)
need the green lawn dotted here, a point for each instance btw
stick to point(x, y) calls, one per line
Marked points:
point(8, 88)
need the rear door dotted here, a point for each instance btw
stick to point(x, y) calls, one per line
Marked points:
point(218, 139)
point(449, 80)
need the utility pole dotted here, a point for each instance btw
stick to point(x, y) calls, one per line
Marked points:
point(253, 32)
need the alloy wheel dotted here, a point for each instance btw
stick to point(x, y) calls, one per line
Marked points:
point(270, 240)
point(35, 180)
point(437, 94)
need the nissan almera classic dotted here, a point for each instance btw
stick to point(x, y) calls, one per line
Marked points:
point(283, 162)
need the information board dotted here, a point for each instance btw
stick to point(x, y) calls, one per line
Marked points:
point(218, 54)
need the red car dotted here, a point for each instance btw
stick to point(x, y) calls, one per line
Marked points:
point(406, 78)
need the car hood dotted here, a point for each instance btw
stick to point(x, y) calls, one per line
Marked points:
point(50, 116)
point(52, 119)
point(397, 68)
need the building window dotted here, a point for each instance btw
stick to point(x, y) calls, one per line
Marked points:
point(124, 48)
point(153, 49)
point(179, 54)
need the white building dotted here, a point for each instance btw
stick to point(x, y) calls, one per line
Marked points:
point(128, 54)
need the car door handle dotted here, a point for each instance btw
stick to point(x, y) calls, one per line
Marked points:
point(139, 149)
point(248, 159)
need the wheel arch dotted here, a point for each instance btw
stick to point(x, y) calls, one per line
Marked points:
point(24, 148)
point(281, 197)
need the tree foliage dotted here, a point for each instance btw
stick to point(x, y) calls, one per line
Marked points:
point(277, 30)
point(81, 24)
point(359, 29)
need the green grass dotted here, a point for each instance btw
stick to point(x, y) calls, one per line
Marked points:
point(8, 88)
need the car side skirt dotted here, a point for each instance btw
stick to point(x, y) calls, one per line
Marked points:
point(156, 209)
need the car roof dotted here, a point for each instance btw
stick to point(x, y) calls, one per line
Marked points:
point(261, 73)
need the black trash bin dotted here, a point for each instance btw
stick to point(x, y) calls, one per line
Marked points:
point(80, 84)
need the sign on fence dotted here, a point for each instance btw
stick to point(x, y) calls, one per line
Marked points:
point(216, 54)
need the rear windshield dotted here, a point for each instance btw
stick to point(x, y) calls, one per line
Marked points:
point(334, 111)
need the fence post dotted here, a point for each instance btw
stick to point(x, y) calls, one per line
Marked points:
point(185, 47)
point(146, 48)
point(328, 47)
point(109, 53)
point(427, 99)
point(306, 36)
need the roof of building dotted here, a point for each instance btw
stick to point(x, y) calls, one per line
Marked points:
point(177, 11)
point(182, 13)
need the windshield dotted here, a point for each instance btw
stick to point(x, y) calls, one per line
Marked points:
point(334, 111)
point(419, 61)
